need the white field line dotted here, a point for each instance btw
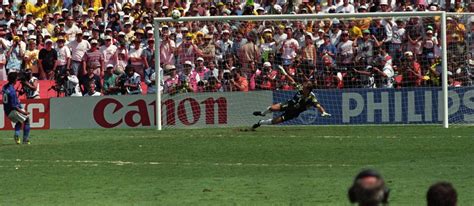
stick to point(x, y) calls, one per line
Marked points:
point(18, 163)
point(345, 136)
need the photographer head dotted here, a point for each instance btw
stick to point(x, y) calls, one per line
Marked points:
point(27, 75)
point(442, 194)
point(368, 189)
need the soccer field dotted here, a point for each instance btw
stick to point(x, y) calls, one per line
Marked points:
point(274, 165)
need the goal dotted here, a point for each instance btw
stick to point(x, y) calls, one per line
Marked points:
point(369, 68)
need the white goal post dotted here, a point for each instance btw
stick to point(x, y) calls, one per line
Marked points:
point(158, 21)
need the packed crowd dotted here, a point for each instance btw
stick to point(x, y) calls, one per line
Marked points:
point(107, 47)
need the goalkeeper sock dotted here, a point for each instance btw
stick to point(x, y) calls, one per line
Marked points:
point(265, 122)
point(267, 111)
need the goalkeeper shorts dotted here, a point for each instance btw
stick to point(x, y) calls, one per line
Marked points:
point(16, 116)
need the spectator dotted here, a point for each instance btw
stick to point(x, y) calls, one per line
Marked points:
point(414, 36)
point(442, 194)
point(30, 60)
point(383, 73)
point(91, 90)
point(411, 71)
point(167, 49)
point(110, 79)
point(189, 78)
point(88, 77)
point(208, 49)
point(108, 50)
point(365, 47)
point(223, 46)
point(368, 189)
point(93, 58)
point(47, 61)
point(64, 55)
point(188, 51)
point(3, 61)
point(14, 56)
point(238, 82)
point(249, 52)
point(71, 84)
point(78, 49)
point(308, 52)
point(289, 47)
point(30, 85)
point(171, 83)
point(137, 57)
point(345, 52)
point(327, 48)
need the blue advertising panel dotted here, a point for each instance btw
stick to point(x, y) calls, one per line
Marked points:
point(386, 106)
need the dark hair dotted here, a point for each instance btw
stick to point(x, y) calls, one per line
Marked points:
point(12, 77)
point(368, 195)
point(441, 194)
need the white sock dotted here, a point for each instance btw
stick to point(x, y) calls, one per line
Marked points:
point(267, 111)
point(265, 122)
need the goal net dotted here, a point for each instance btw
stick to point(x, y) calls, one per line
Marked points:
point(367, 68)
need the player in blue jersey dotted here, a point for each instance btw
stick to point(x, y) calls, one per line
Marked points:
point(14, 111)
point(301, 101)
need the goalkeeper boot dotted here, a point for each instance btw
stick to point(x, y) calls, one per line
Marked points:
point(17, 139)
point(255, 126)
point(258, 113)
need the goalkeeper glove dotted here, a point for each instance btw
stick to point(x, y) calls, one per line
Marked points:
point(325, 114)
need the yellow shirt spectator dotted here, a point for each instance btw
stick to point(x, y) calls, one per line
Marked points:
point(355, 32)
point(38, 10)
point(364, 24)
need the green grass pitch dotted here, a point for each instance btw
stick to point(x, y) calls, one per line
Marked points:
point(274, 165)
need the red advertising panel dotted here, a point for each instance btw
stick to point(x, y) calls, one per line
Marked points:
point(39, 114)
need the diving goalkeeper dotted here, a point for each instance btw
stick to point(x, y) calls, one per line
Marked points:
point(301, 101)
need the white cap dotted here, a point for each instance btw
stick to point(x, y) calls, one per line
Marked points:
point(188, 63)
point(149, 25)
point(149, 32)
point(226, 31)
point(32, 37)
point(267, 30)
point(121, 33)
point(164, 7)
point(86, 34)
point(199, 59)
point(277, 7)
point(24, 29)
point(408, 53)
point(48, 41)
point(383, 2)
point(94, 41)
point(108, 37)
point(267, 64)
point(363, 7)
point(110, 66)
